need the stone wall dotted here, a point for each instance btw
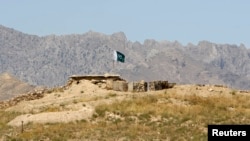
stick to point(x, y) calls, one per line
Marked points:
point(151, 86)
point(137, 86)
point(116, 85)
point(157, 85)
point(120, 86)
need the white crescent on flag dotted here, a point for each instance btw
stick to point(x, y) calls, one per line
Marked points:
point(118, 56)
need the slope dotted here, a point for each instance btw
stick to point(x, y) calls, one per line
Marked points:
point(11, 87)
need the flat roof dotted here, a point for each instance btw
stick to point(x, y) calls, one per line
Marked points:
point(89, 77)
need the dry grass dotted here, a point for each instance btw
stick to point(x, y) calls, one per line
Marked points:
point(166, 116)
point(5, 117)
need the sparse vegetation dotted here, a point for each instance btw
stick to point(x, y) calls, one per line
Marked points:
point(58, 90)
point(57, 95)
point(160, 116)
point(62, 104)
point(5, 117)
point(110, 95)
point(233, 92)
point(51, 109)
point(49, 91)
point(75, 101)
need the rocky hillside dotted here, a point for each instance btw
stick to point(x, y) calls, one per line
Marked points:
point(11, 87)
point(49, 60)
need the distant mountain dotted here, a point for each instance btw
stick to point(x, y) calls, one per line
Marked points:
point(11, 86)
point(50, 60)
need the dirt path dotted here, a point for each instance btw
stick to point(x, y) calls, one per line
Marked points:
point(53, 117)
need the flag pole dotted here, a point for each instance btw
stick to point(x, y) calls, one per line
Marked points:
point(114, 59)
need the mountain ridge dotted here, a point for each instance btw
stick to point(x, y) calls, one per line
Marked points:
point(11, 87)
point(50, 60)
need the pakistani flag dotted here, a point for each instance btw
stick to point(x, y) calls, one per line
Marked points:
point(118, 56)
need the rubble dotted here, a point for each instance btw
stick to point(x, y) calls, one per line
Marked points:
point(36, 94)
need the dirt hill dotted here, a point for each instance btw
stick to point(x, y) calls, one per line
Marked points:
point(85, 111)
point(11, 86)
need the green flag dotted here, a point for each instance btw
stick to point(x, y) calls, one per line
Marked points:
point(118, 56)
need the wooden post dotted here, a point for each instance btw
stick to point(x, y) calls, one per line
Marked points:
point(148, 86)
point(22, 127)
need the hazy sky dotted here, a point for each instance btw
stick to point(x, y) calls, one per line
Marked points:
point(218, 21)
